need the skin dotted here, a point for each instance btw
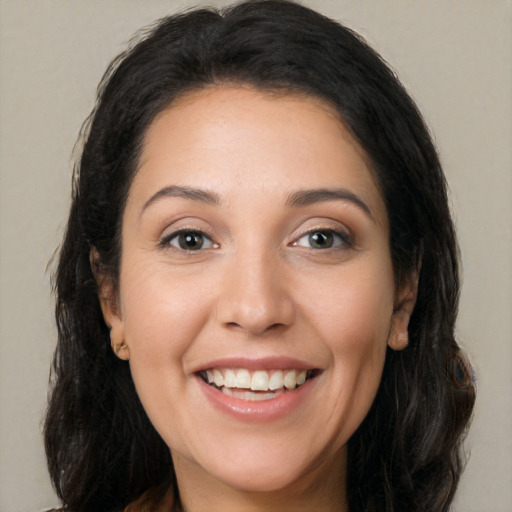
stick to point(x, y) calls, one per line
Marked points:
point(257, 288)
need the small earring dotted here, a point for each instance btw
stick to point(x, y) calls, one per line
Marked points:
point(116, 347)
point(398, 339)
point(402, 339)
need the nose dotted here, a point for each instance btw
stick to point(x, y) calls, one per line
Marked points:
point(255, 297)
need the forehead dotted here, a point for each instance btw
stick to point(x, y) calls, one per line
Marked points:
point(238, 140)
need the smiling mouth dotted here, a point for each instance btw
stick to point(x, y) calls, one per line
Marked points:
point(256, 385)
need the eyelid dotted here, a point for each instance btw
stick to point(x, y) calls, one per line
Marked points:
point(165, 240)
point(346, 239)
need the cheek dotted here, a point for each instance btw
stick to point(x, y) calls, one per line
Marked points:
point(353, 316)
point(355, 307)
point(161, 312)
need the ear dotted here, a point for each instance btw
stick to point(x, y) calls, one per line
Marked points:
point(109, 302)
point(405, 300)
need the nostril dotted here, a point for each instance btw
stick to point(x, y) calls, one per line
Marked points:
point(253, 314)
point(255, 329)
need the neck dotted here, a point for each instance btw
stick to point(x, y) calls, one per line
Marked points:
point(324, 489)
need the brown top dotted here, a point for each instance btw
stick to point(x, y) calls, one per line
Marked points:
point(156, 499)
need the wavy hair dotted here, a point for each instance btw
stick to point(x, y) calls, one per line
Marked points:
point(101, 448)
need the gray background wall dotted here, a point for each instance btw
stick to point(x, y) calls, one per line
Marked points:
point(455, 57)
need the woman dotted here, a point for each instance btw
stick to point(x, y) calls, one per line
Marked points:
point(257, 290)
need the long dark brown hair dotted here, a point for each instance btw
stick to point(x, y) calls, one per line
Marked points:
point(102, 450)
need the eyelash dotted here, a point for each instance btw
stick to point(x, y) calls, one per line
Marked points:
point(166, 241)
point(338, 239)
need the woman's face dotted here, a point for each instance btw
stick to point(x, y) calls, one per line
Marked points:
point(256, 293)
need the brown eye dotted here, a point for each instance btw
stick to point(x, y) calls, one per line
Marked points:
point(321, 240)
point(190, 241)
point(324, 239)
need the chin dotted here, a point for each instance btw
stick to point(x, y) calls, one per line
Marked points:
point(268, 469)
point(261, 480)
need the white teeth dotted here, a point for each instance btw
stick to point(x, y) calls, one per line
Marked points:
point(301, 377)
point(276, 381)
point(218, 378)
point(243, 379)
point(259, 381)
point(259, 397)
point(229, 379)
point(250, 395)
point(290, 382)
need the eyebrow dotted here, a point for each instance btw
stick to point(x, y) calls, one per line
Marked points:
point(194, 194)
point(295, 200)
point(309, 197)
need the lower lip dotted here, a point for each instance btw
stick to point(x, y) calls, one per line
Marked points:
point(257, 411)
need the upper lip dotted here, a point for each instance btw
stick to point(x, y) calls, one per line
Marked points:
point(260, 363)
